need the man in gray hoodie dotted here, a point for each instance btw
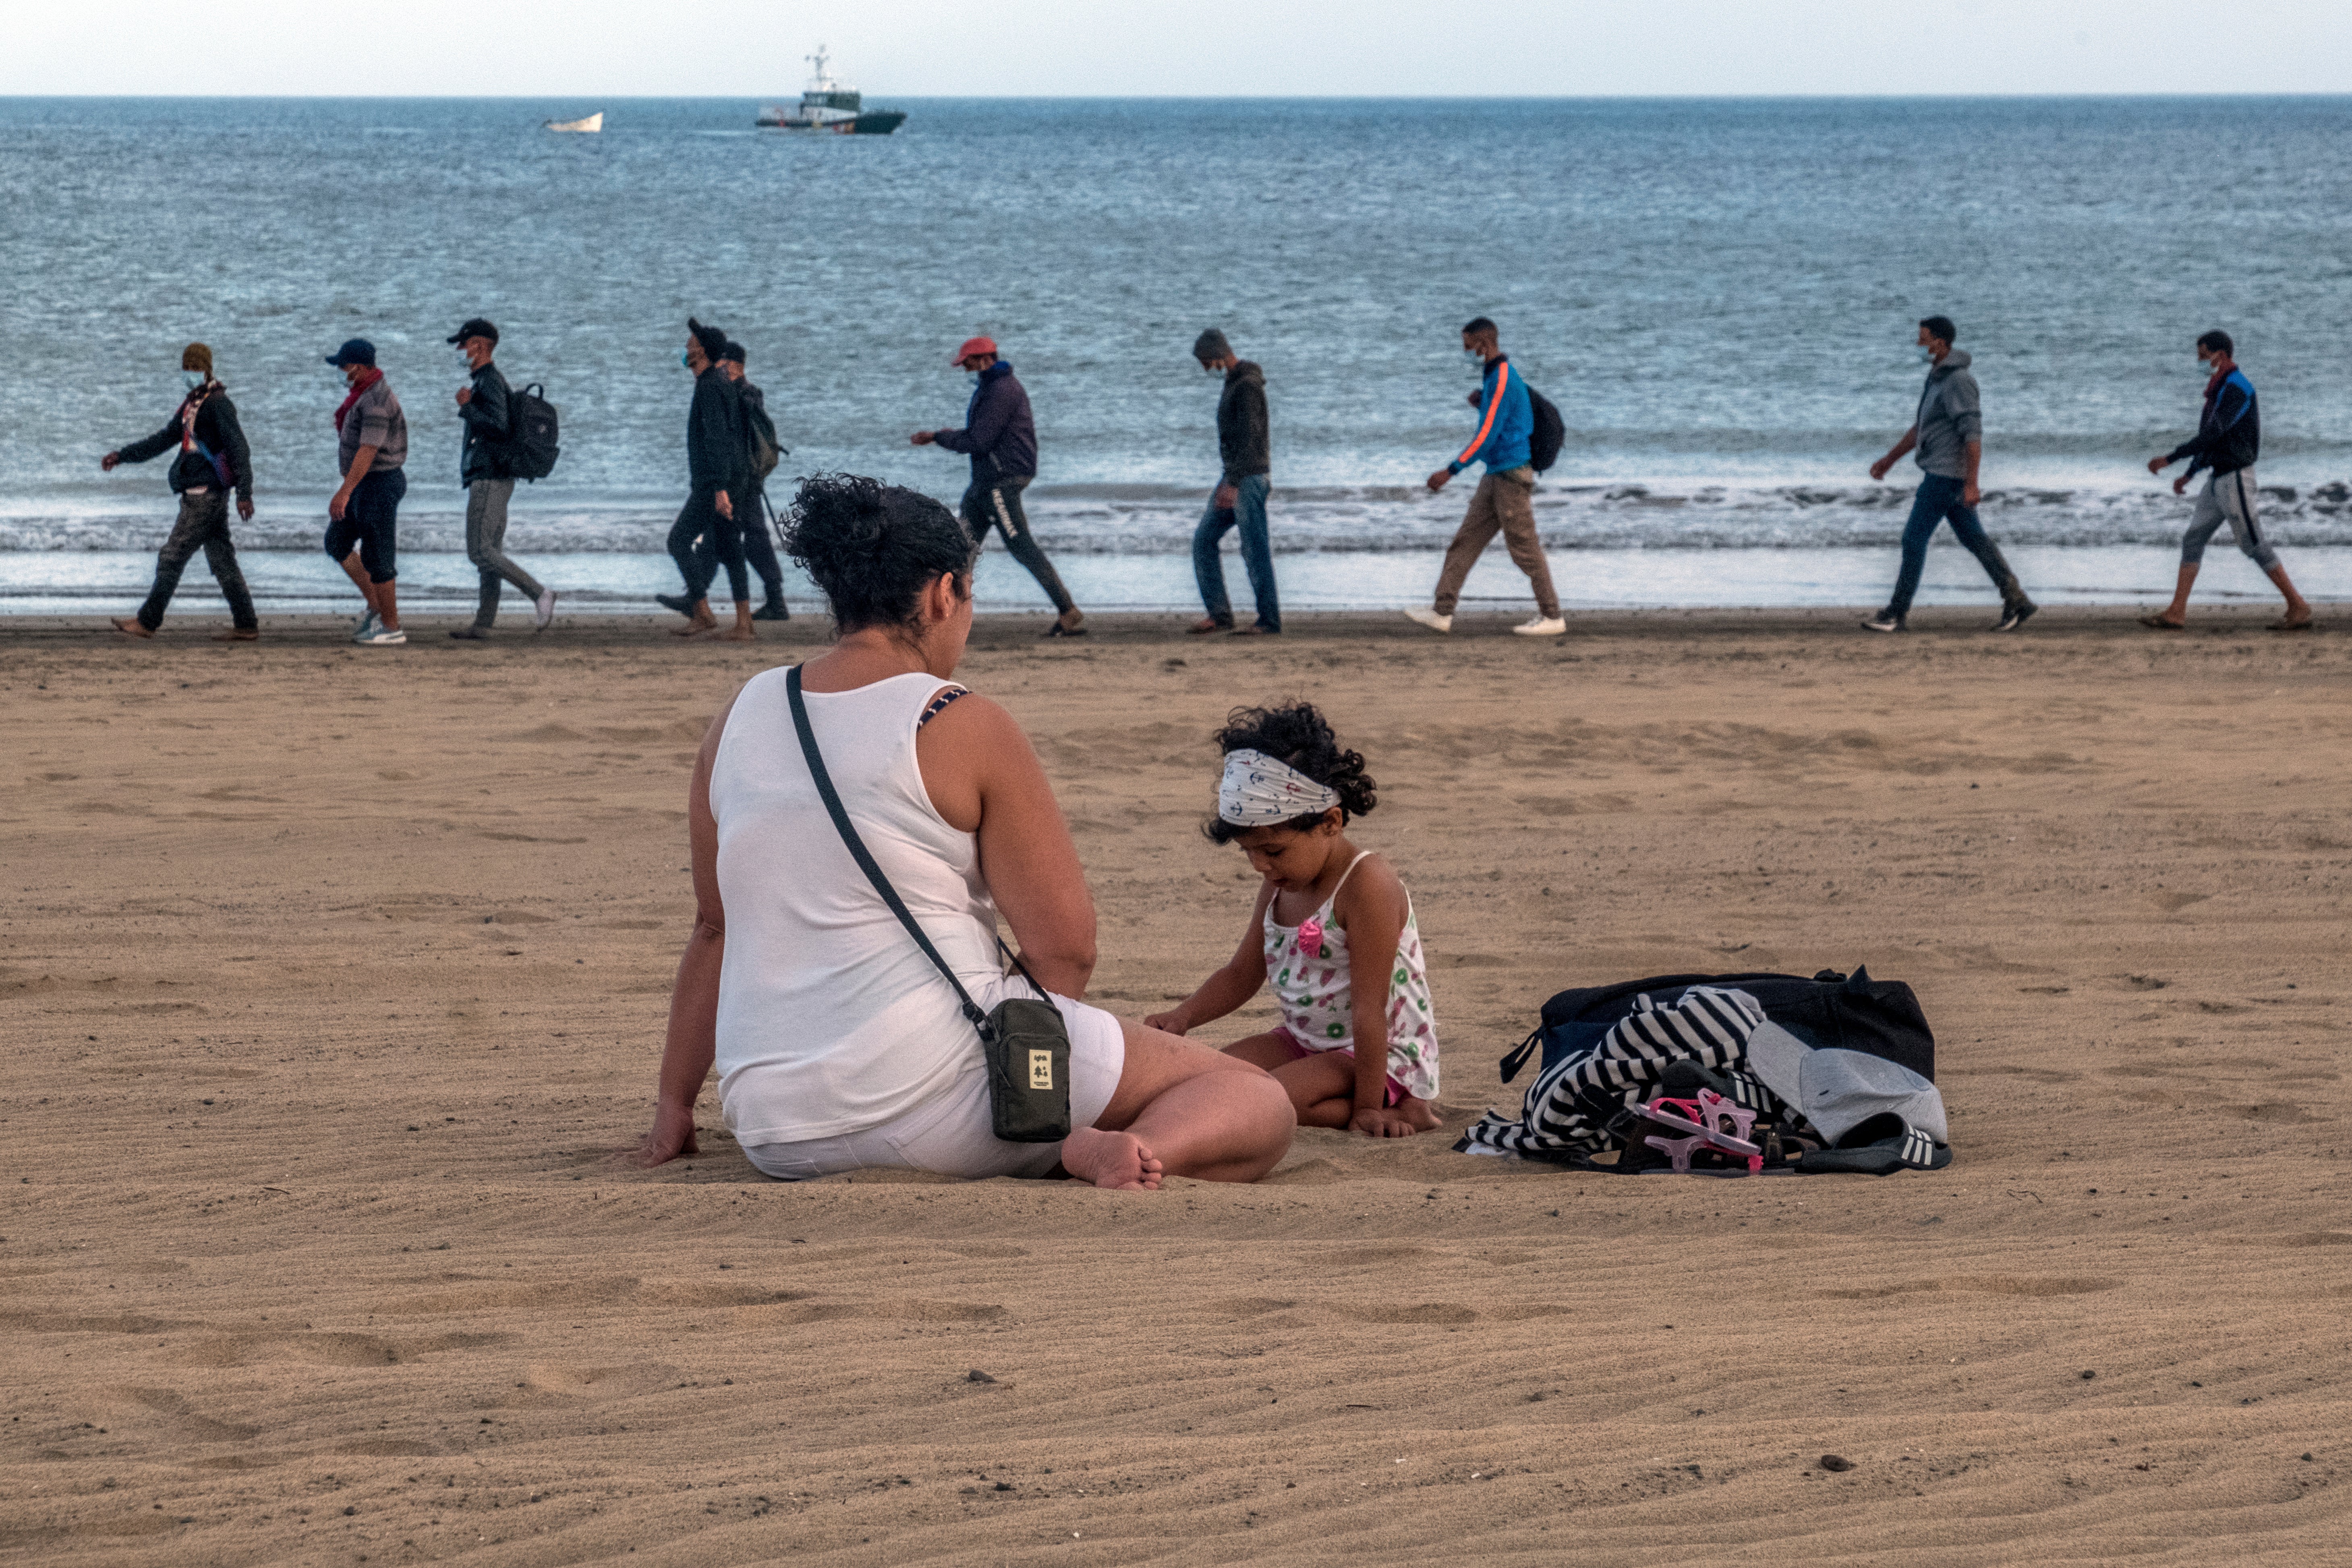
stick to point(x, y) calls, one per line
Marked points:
point(1243, 447)
point(1948, 431)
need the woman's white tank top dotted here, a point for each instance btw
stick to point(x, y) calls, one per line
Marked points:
point(830, 1018)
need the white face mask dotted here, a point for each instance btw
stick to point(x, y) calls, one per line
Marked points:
point(1926, 355)
point(195, 378)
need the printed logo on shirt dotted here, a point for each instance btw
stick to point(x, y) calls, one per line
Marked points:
point(1041, 1069)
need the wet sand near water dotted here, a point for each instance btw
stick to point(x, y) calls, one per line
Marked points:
point(331, 975)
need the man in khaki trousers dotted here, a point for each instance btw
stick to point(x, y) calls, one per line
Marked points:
point(1505, 501)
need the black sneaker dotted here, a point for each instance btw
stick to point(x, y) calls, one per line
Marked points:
point(1884, 621)
point(679, 602)
point(773, 610)
point(2015, 615)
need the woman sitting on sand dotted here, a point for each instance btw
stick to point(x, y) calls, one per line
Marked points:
point(837, 1043)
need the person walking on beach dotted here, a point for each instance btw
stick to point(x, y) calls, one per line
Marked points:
point(716, 468)
point(1504, 501)
point(210, 461)
point(1948, 431)
point(371, 448)
point(751, 506)
point(1001, 439)
point(2229, 438)
point(485, 412)
point(1239, 501)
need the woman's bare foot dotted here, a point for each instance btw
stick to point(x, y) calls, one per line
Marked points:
point(1117, 1160)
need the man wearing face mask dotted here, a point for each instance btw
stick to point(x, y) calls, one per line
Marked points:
point(751, 501)
point(370, 449)
point(2229, 438)
point(717, 469)
point(211, 460)
point(1239, 501)
point(1505, 501)
point(1001, 437)
point(1948, 431)
point(485, 412)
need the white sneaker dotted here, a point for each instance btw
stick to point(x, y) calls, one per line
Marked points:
point(364, 627)
point(546, 608)
point(1540, 627)
point(385, 636)
point(1431, 619)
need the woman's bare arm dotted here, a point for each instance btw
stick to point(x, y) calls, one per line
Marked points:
point(1241, 977)
point(693, 1038)
point(984, 777)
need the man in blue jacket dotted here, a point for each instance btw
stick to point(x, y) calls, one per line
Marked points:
point(2229, 438)
point(1001, 439)
point(1504, 499)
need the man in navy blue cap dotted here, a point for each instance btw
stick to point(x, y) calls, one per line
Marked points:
point(371, 446)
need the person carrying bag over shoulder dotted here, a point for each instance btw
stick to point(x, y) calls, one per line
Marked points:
point(1026, 1042)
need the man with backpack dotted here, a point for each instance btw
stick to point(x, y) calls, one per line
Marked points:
point(485, 413)
point(717, 466)
point(1001, 437)
point(1948, 431)
point(1243, 447)
point(2229, 438)
point(764, 451)
point(1504, 499)
point(210, 461)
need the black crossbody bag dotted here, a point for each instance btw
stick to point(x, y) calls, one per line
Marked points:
point(1024, 1040)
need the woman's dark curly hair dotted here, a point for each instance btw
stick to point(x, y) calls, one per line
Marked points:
point(1298, 734)
point(873, 547)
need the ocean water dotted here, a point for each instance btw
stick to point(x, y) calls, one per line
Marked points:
point(1719, 295)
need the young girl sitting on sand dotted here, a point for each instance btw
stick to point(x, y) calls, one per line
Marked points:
point(1332, 926)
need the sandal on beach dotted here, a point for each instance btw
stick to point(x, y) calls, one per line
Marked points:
point(2158, 623)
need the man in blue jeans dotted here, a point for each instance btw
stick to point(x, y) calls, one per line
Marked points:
point(1948, 431)
point(1243, 444)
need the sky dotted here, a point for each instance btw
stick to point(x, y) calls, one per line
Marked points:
point(753, 48)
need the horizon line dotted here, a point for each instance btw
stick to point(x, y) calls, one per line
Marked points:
point(1205, 97)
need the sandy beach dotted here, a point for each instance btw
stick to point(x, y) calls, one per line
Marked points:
point(331, 978)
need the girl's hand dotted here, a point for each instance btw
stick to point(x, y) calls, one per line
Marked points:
point(1378, 1121)
point(1172, 1022)
point(672, 1135)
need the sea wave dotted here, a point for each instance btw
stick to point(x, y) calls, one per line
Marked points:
point(1159, 520)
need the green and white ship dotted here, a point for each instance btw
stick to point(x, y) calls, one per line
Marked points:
point(827, 105)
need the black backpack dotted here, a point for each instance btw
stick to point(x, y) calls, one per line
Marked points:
point(531, 447)
point(1831, 1011)
point(1550, 435)
point(766, 451)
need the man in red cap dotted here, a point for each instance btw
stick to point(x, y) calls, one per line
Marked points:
point(1002, 439)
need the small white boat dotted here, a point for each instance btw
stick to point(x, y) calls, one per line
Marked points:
point(593, 124)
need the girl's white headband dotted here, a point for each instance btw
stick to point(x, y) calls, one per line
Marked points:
point(1258, 792)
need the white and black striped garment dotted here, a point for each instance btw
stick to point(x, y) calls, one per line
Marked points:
point(1568, 1106)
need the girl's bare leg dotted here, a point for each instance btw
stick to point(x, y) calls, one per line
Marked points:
point(1183, 1108)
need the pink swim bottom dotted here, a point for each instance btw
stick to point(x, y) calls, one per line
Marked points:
point(1300, 1051)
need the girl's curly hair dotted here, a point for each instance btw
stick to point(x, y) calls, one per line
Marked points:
point(1298, 734)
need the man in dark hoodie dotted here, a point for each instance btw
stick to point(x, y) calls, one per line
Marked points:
point(211, 460)
point(1002, 441)
point(2229, 438)
point(1239, 501)
point(752, 502)
point(484, 414)
point(1948, 431)
point(717, 468)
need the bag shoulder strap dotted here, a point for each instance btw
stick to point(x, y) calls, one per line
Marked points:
point(864, 857)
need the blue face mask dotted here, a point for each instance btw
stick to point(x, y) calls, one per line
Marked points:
point(972, 376)
point(686, 360)
point(1926, 355)
point(195, 378)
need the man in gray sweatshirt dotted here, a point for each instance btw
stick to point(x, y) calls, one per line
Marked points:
point(1239, 501)
point(1948, 431)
